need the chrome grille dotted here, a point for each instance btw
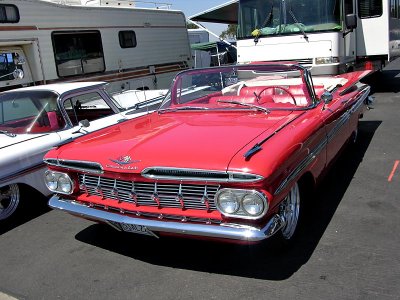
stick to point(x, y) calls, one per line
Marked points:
point(192, 196)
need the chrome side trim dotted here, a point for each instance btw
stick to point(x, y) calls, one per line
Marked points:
point(22, 172)
point(223, 231)
point(186, 174)
point(330, 135)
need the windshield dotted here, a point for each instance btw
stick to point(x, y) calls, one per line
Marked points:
point(136, 99)
point(30, 112)
point(260, 88)
point(277, 17)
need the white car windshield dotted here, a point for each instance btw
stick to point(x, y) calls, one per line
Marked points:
point(29, 112)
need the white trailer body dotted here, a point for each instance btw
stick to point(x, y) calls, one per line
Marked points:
point(130, 47)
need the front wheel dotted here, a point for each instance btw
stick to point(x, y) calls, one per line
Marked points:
point(9, 200)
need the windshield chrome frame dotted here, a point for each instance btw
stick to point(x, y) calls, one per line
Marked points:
point(305, 76)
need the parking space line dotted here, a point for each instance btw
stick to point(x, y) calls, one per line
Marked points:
point(396, 164)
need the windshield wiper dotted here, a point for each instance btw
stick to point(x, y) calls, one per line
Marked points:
point(172, 109)
point(297, 23)
point(260, 108)
point(7, 133)
point(266, 21)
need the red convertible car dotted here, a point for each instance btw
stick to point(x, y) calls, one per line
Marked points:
point(228, 155)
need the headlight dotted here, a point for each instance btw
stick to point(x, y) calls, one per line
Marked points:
point(326, 60)
point(51, 181)
point(58, 182)
point(246, 204)
point(228, 202)
point(253, 204)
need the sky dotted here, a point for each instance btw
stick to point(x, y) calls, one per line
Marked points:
point(192, 7)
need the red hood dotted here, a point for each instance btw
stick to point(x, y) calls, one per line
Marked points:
point(183, 140)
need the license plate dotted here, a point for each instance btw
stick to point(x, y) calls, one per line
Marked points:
point(134, 228)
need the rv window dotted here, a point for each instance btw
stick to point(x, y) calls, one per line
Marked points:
point(78, 53)
point(127, 39)
point(369, 8)
point(9, 13)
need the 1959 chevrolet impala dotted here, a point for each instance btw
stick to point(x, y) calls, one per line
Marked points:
point(228, 155)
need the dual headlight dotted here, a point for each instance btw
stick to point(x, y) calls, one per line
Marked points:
point(58, 182)
point(248, 204)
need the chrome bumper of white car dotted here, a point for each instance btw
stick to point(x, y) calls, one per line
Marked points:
point(222, 231)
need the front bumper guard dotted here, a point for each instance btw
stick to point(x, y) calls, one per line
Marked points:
point(222, 231)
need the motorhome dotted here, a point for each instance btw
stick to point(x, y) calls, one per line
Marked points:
point(330, 36)
point(121, 42)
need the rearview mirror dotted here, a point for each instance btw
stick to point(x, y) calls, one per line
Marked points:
point(351, 21)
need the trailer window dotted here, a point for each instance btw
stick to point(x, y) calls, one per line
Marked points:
point(9, 13)
point(78, 53)
point(127, 39)
point(369, 8)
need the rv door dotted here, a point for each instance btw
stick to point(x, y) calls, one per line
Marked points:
point(12, 58)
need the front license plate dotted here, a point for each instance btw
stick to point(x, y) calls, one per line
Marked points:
point(140, 229)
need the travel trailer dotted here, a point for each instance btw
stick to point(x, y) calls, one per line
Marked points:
point(131, 47)
point(331, 36)
point(200, 58)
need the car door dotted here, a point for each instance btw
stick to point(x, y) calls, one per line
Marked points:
point(336, 115)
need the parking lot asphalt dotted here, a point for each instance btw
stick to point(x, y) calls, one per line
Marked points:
point(348, 248)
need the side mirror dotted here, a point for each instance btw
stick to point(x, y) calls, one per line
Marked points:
point(351, 21)
point(18, 74)
point(327, 97)
point(84, 123)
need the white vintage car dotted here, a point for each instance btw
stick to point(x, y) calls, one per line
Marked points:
point(35, 119)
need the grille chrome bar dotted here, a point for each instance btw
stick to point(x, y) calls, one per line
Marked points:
point(189, 196)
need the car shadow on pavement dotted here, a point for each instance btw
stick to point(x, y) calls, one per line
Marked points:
point(261, 261)
point(386, 81)
point(28, 213)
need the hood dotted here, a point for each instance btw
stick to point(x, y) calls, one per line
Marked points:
point(7, 141)
point(195, 140)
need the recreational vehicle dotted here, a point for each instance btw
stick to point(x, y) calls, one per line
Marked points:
point(115, 41)
point(331, 36)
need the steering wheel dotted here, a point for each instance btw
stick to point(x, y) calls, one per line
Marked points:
point(276, 87)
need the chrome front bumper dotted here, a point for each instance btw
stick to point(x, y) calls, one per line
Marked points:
point(222, 231)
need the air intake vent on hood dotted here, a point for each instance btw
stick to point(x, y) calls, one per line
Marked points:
point(198, 175)
point(84, 166)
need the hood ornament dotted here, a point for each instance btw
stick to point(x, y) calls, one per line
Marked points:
point(124, 160)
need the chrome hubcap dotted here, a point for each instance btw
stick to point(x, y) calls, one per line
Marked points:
point(9, 199)
point(290, 211)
